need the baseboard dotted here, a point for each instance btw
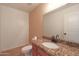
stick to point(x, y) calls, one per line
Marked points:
point(14, 51)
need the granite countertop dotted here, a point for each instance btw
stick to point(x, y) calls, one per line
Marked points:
point(65, 48)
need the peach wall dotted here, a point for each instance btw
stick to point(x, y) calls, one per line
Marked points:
point(35, 21)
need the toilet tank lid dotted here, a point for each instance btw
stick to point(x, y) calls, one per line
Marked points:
point(28, 47)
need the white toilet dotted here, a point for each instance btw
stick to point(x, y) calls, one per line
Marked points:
point(27, 50)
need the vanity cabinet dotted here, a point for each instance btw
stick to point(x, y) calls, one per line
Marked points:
point(37, 51)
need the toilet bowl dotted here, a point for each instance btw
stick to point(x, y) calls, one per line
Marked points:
point(27, 50)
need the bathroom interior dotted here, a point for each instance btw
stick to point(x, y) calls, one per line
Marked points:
point(39, 29)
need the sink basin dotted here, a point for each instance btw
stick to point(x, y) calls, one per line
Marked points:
point(50, 45)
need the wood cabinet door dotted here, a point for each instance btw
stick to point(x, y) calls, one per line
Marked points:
point(34, 50)
point(37, 51)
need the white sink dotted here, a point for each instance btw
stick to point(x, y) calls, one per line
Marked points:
point(50, 45)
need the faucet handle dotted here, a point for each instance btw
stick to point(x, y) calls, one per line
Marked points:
point(65, 33)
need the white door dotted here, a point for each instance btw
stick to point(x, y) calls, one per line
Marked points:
point(71, 27)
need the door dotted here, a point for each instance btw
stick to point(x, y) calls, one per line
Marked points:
point(71, 27)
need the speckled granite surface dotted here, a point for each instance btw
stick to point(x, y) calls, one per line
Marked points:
point(65, 48)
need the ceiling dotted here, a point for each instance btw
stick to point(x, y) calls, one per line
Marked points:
point(22, 6)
